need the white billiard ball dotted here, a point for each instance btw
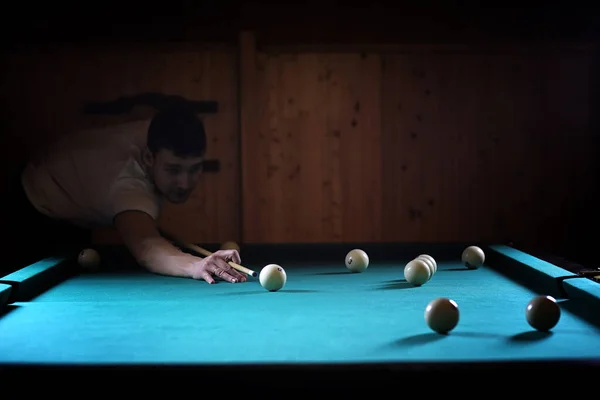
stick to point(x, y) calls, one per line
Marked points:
point(230, 245)
point(473, 257)
point(542, 313)
point(272, 277)
point(429, 264)
point(416, 272)
point(88, 259)
point(442, 315)
point(427, 256)
point(357, 260)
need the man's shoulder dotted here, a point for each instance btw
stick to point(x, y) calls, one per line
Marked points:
point(132, 189)
point(131, 169)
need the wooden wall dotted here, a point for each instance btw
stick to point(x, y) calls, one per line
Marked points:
point(416, 143)
point(409, 143)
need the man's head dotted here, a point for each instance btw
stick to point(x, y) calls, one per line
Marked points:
point(175, 151)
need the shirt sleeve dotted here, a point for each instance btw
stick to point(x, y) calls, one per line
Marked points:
point(133, 191)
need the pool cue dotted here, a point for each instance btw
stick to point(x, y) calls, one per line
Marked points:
point(206, 253)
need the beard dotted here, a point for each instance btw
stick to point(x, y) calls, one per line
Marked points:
point(178, 196)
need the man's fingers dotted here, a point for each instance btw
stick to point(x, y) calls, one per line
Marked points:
point(229, 255)
point(224, 275)
point(206, 276)
point(222, 265)
point(235, 257)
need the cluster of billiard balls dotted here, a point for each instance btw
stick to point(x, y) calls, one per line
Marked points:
point(442, 314)
point(420, 270)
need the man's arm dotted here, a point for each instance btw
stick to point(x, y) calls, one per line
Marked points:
point(142, 237)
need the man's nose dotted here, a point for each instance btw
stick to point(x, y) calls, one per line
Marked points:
point(184, 182)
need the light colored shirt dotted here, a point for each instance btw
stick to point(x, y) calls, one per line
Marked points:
point(92, 175)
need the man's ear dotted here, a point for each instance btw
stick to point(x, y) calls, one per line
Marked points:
point(148, 157)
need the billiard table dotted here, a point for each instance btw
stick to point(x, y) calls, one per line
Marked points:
point(325, 326)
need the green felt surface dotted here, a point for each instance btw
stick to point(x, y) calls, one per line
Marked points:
point(323, 314)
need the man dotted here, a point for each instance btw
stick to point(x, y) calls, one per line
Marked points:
point(117, 177)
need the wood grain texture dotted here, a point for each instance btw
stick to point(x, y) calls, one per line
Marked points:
point(428, 143)
point(313, 169)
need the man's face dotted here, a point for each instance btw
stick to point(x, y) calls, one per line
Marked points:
point(174, 177)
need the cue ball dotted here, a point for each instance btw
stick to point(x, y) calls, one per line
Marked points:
point(230, 246)
point(416, 272)
point(542, 313)
point(442, 315)
point(357, 260)
point(427, 256)
point(272, 277)
point(429, 264)
point(473, 257)
point(88, 258)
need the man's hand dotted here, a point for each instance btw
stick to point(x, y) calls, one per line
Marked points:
point(150, 249)
point(216, 266)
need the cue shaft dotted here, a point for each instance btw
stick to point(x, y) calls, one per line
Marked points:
point(206, 253)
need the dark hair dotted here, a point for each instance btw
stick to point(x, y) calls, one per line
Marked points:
point(179, 130)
